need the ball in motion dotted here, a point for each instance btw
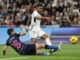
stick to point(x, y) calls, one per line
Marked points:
point(73, 40)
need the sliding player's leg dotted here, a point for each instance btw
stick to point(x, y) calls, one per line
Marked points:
point(31, 49)
point(39, 46)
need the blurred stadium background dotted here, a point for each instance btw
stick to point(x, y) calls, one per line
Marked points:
point(64, 13)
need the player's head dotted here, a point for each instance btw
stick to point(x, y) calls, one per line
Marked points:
point(39, 8)
point(10, 32)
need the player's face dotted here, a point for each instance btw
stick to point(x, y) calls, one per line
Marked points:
point(40, 9)
point(13, 32)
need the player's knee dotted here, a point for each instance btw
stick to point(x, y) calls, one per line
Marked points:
point(47, 38)
point(37, 46)
point(40, 46)
point(34, 40)
point(44, 37)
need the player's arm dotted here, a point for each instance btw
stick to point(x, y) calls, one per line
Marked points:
point(28, 23)
point(4, 49)
point(40, 18)
point(23, 30)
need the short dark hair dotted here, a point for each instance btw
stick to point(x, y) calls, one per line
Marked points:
point(39, 5)
point(9, 31)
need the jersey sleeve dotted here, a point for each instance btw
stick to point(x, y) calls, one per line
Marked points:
point(36, 14)
point(18, 34)
point(7, 43)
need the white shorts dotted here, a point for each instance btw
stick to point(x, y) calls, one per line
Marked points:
point(35, 33)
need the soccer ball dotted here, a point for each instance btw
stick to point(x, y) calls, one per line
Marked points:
point(73, 40)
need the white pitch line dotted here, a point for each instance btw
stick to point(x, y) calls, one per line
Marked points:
point(63, 57)
point(13, 58)
point(39, 57)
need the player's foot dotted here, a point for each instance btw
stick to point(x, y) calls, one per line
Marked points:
point(51, 51)
point(60, 45)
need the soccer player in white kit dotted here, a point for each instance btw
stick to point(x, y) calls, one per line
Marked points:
point(35, 30)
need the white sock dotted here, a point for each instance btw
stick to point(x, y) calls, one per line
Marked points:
point(48, 42)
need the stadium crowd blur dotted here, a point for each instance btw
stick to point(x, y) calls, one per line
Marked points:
point(62, 12)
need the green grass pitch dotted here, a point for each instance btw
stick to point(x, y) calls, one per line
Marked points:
point(68, 52)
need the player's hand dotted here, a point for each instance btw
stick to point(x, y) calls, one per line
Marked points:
point(26, 28)
point(23, 30)
point(22, 27)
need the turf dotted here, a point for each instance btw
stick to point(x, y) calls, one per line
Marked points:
point(68, 52)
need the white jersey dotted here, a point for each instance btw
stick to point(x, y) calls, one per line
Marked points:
point(35, 30)
point(35, 23)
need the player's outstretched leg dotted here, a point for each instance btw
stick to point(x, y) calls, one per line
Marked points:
point(39, 46)
point(59, 46)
